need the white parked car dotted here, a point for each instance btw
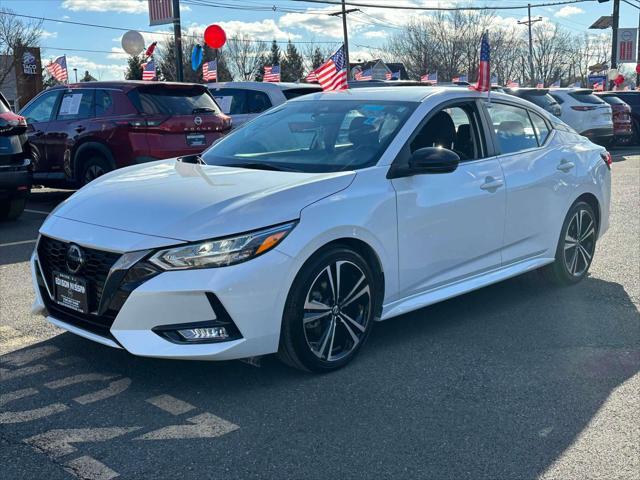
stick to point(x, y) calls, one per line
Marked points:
point(296, 232)
point(244, 101)
point(587, 113)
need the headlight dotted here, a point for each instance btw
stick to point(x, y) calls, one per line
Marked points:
point(223, 252)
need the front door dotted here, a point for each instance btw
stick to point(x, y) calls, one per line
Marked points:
point(39, 113)
point(450, 226)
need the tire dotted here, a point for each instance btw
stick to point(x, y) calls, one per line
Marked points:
point(576, 246)
point(12, 208)
point(94, 167)
point(320, 334)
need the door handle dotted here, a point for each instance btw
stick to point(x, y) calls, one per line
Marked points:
point(565, 165)
point(491, 184)
point(80, 128)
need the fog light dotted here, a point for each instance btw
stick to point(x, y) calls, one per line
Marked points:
point(207, 333)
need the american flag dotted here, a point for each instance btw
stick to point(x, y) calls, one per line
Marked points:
point(392, 75)
point(555, 84)
point(539, 85)
point(364, 75)
point(149, 70)
point(271, 73)
point(598, 87)
point(311, 77)
point(430, 78)
point(332, 75)
point(494, 81)
point(484, 69)
point(58, 69)
point(513, 84)
point(160, 12)
point(210, 71)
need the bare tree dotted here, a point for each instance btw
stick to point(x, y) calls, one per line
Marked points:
point(244, 56)
point(14, 34)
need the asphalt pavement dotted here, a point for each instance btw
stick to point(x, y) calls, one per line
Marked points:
point(519, 380)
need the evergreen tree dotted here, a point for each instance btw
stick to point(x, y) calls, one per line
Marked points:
point(87, 77)
point(134, 68)
point(292, 66)
point(317, 58)
point(275, 54)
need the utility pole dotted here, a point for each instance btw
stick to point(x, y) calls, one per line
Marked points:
point(344, 33)
point(615, 20)
point(177, 33)
point(529, 23)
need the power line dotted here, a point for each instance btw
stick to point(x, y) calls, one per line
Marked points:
point(445, 9)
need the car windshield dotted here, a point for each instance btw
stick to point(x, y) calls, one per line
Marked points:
point(611, 100)
point(585, 96)
point(173, 101)
point(543, 100)
point(313, 136)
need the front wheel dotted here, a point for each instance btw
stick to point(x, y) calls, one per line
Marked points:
point(12, 207)
point(329, 311)
point(93, 168)
point(576, 246)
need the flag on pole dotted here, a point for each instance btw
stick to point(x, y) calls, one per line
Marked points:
point(149, 70)
point(392, 75)
point(312, 77)
point(555, 84)
point(494, 81)
point(431, 78)
point(332, 75)
point(484, 69)
point(539, 85)
point(210, 71)
point(58, 69)
point(598, 87)
point(160, 12)
point(363, 76)
point(513, 84)
point(271, 73)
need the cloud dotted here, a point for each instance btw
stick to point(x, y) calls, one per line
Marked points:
point(375, 34)
point(264, 30)
point(46, 34)
point(569, 10)
point(121, 6)
point(101, 71)
point(117, 53)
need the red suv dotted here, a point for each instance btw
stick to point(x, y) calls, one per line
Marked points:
point(81, 131)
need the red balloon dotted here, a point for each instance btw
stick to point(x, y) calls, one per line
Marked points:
point(619, 79)
point(214, 36)
point(638, 68)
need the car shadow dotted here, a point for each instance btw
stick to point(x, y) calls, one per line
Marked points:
point(497, 383)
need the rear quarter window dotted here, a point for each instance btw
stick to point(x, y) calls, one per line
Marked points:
point(298, 92)
point(586, 98)
point(173, 101)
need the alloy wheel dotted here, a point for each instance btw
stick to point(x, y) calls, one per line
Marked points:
point(93, 172)
point(579, 242)
point(337, 311)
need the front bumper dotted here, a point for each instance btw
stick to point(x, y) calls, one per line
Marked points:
point(253, 294)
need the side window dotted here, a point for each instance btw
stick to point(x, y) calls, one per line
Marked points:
point(257, 102)
point(557, 98)
point(104, 103)
point(541, 128)
point(40, 109)
point(513, 128)
point(232, 101)
point(455, 128)
point(76, 105)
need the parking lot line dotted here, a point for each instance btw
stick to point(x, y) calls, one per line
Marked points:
point(21, 242)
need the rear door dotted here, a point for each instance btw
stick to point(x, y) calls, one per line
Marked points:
point(593, 112)
point(179, 119)
point(540, 177)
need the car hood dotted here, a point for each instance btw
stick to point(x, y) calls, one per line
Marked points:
point(189, 202)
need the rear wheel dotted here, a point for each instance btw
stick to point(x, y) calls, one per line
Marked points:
point(329, 311)
point(12, 207)
point(576, 246)
point(93, 168)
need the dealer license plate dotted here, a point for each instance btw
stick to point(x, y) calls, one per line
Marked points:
point(71, 292)
point(196, 139)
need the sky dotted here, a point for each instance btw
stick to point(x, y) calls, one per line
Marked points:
point(260, 19)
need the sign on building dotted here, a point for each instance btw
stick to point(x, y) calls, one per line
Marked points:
point(160, 12)
point(627, 46)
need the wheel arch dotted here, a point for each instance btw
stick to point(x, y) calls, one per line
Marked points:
point(84, 151)
point(590, 199)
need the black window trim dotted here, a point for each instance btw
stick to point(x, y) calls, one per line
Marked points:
point(494, 139)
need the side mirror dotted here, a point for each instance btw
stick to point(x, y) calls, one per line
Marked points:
point(433, 160)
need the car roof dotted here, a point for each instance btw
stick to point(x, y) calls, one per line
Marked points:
point(402, 94)
point(125, 85)
point(525, 90)
point(263, 86)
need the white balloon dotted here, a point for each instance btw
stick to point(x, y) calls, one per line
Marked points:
point(132, 42)
point(613, 73)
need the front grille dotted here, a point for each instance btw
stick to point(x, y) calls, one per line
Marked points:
point(52, 255)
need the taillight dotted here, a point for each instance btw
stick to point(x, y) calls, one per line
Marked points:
point(606, 157)
point(582, 108)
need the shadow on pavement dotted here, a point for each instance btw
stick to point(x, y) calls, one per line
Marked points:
point(495, 384)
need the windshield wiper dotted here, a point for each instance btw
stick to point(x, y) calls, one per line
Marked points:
point(257, 166)
point(203, 110)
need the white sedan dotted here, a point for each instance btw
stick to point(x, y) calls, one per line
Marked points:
point(298, 231)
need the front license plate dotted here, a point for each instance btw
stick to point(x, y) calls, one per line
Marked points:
point(71, 292)
point(196, 139)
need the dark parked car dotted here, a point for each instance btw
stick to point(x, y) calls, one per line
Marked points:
point(15, 175)
point(81, 131)
point(621, 113)
point(539, 96)
point(631, 98)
